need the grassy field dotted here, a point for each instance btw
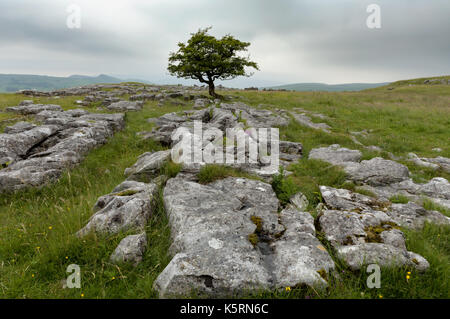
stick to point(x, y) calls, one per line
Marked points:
point(37, 227)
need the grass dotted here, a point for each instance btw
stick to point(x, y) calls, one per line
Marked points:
point(37, 240)
point(213, 172)
point(399, 199)
point(284, 187)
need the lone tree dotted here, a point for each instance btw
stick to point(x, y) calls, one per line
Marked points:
point(206, 59)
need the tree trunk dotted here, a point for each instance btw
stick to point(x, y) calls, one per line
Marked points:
point(212, 91)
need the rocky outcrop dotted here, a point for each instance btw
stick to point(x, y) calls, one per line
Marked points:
point(365, 230)
point(437, 190)
point(377, 172)
point(36, 155)
point(124, 106)
point(128, 206)
point(19, 127)
point(147, 165)
point(336, 155)
point(31, 109)
point(305, 120)
point(385, 178)
point(433, 163)
point(228, 239)
point(130, 250)
point(299, 257)
point(411, 215)
point(236, 119)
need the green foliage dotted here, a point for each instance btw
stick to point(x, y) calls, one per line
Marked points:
point(213, 172)
point(399, 199)
point(429, 205)
point(170, 169)
point(284, 187)
point(395, 119)
point(206, 59)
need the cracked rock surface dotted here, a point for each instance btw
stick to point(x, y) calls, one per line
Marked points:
point(365, 230)
point(130, 249)
point(35, 155)
point(385, 178)
point(128, 206)
point(213, 253)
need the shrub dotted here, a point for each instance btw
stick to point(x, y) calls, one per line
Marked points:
point(284, 187)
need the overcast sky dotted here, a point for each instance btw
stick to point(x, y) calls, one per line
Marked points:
point(292, 40)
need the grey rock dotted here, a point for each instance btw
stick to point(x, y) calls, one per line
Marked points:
point(440, 161)
point(210, 227)
point(436, 187)
point(19, 127)
point(299, 257)
point(413, 216)
point(290, 151)
point(147, 165)
point(130, 249)
point(394, 237)
point(201, 103)
point(306, 121)
point(142, 97)
point(17, 145)
point(419, 162)
point(125, 106)
point(335, 154)
point(40, 154)
point(129, 205)
point(378, 172)
point(437, 190)
point(365, 235)
point(26, 102)
point(344, 199)
point(300, 201)
point(30, 109)
point(342, 227)
point(385, 255)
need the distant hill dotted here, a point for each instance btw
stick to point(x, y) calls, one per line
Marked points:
point(436, 80)
point(327, 87)
point(16, 82)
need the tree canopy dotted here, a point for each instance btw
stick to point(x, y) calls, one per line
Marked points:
point(206, 59)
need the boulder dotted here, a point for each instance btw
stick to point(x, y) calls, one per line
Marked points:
point(358, 256)
point(129, 205)
point(336, 155)
point(378, 172)
point(306, 121)
point(19, 127)
point(413, 216)
point(130, 249)
point(228, 240)
point(30, 109)
point(299, 257)
point(125, 106)
point(147, 165)
point(300, 201)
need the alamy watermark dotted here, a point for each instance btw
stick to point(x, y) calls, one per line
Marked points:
point(374, 19)
point(74, 279)
point(73, 20)
point(374, 279)
point(238, 146)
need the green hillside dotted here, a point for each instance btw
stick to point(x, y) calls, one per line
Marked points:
point(305, 87)
point(16, 82)
point(37, 241)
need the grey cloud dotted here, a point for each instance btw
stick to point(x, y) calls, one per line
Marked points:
point(317, 39)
